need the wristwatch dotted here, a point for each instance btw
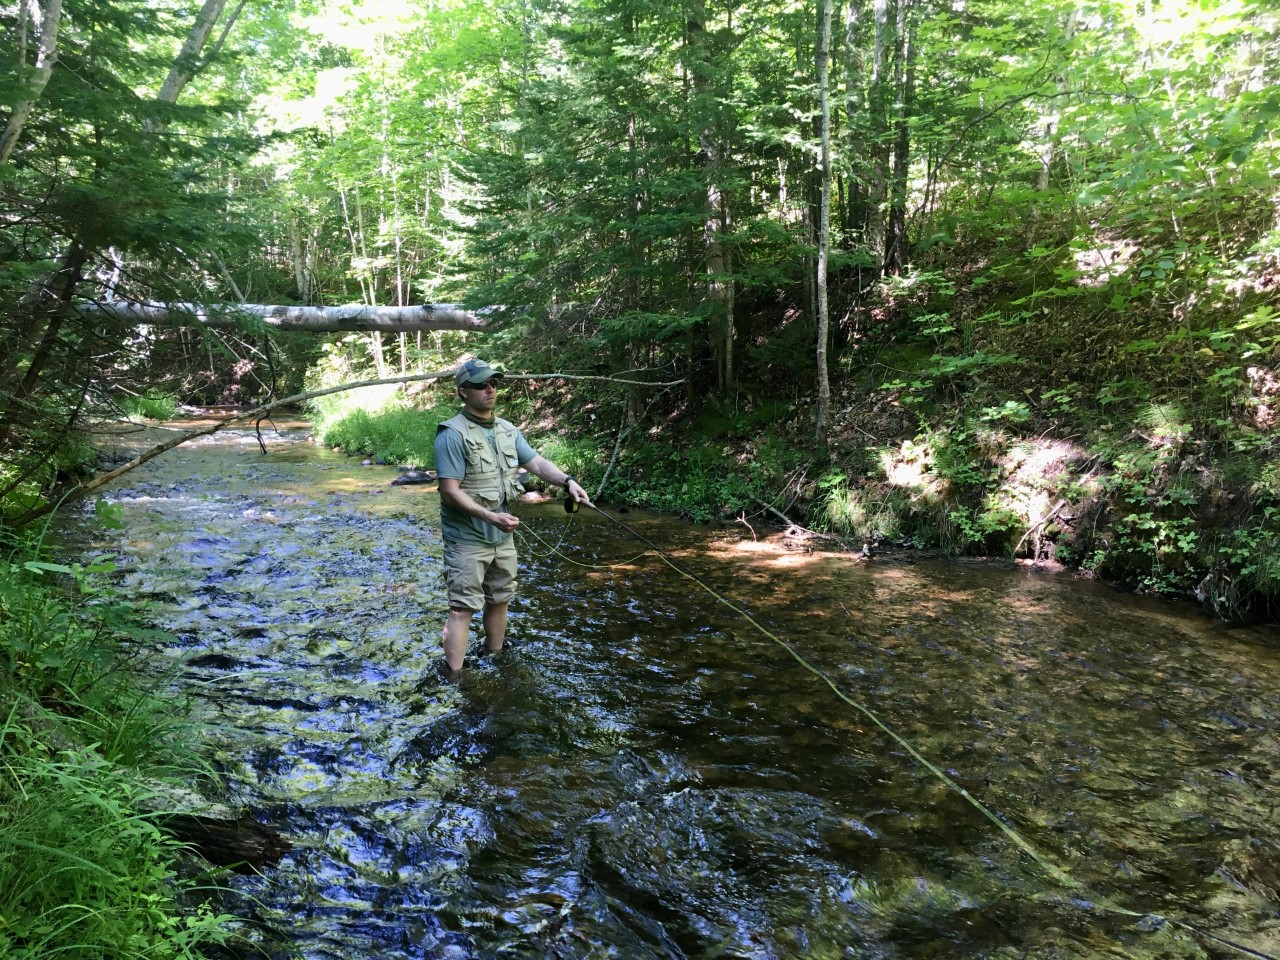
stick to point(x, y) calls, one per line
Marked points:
point(568, 479)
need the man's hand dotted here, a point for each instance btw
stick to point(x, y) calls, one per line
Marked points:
point(506, 522)
point(574, 489)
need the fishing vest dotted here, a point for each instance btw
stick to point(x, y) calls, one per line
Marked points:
point(491, 474)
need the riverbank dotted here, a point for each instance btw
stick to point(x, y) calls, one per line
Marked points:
point(1158, 506)
point(94, 761)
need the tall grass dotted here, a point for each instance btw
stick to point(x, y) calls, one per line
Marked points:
point(87, 756)
point(868, 513)
point(153, 405)
point(377, 422)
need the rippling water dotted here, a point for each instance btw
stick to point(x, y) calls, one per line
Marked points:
point(644, 774)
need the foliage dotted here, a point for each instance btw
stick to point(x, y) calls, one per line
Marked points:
point(865, 512)
point(83, 749)
point(153, 405)
point(700, 487)
point(393, 434)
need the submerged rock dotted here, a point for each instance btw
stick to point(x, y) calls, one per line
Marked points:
point(414, 476)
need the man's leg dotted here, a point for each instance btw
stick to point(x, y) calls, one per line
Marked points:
point(499, 586)
point(495, 626)
point(457, 630)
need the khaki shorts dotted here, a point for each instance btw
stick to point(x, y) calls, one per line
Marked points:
point(480, 573)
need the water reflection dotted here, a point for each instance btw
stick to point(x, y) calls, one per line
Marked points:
point(643, 774)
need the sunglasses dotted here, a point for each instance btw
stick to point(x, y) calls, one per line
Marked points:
point(482, 386)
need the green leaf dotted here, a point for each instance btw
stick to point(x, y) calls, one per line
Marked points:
point(39, 566)
point(110, 515)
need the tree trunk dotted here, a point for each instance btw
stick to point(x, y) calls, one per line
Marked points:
point(877, 101)
point(1049, 149)
point(855, 110)
point(299, 260)
point(187, 63)
point(824, 215)
point(904, 77)
point(46, 54)
point(716, 222)
point(42, 323)
point(353, 317)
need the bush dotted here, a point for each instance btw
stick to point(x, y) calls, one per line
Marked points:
point(153, 405)
point(82, 750)
point(659, 477)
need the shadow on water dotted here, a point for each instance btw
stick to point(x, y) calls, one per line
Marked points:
point(643, 774)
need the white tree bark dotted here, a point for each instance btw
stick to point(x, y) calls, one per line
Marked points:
point(824, 217)
point(187, 62)
point(46, 54)
point(353, 317)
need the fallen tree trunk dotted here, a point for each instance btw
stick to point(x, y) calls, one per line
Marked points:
point(349, 318)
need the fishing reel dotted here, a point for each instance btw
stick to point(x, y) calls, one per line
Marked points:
point(570, 504)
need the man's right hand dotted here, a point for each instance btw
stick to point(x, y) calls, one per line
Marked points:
point(506, 522)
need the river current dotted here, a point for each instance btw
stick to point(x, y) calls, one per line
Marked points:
point(644, 774)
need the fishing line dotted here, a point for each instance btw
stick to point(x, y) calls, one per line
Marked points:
point(1042, 860)
point(552, 549)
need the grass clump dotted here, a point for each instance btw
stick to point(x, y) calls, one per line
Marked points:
point(86, 756)
point(380, 423)
point(870, 513)
point(153, 405)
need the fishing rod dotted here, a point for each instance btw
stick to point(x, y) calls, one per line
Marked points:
point(1147, 922)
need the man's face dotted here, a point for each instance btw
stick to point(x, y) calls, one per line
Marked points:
point(480, 399)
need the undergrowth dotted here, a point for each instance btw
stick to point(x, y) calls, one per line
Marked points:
point(152, 405)
point(87, 757)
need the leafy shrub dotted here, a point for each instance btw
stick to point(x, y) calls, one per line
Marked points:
point(153, 405)
point(582, 458)
point(658, 477)
point(82, 871)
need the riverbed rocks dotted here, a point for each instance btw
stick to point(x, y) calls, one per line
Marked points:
point(411, 477)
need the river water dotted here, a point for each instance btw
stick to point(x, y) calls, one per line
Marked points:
point(644, 774)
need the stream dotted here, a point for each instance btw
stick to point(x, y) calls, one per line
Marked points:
point(644, 774)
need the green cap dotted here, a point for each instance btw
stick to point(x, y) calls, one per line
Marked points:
point(476, 371)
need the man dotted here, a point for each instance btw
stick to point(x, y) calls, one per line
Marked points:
point(478, 457)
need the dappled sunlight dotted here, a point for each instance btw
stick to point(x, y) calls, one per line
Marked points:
point(1034, 471)
point(1099, 261)
point(771, 551)
point(909, 467)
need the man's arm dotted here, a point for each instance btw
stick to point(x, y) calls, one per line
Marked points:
point(540, 466)
point(454, 496)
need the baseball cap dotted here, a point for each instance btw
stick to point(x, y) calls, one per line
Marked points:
point(476, 371)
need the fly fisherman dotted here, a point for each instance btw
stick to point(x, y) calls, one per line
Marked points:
point(478, 456)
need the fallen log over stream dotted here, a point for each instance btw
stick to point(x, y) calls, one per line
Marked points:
point(349, 318)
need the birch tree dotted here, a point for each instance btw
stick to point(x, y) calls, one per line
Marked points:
point(46, 55)
point(824, 214)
